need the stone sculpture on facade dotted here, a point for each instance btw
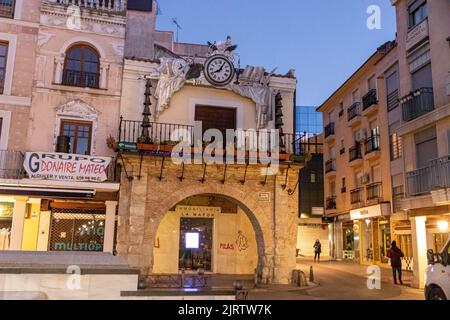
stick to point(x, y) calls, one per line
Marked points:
point(254, 82)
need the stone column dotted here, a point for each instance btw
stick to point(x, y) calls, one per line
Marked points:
point(285, 228)
point(110, 223)
point(20, 210)
point(59, 61)
point(419, 244)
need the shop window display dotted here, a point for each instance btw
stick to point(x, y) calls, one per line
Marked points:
point(6, 213)
point(77, 230)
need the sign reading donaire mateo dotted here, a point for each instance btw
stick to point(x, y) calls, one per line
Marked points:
point(66, 167)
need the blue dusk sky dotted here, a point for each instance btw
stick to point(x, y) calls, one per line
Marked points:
point(324, 41)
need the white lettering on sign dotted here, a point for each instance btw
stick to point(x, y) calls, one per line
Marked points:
point(65, 167)
point(197, 211)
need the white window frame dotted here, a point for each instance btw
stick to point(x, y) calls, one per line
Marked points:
point(6, 123)
point(10, 60)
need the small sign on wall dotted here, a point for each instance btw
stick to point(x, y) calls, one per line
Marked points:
point(264, 197)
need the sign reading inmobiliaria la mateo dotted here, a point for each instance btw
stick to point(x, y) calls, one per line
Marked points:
point(66, 167)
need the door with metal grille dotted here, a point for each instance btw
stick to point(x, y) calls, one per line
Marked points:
point(77, 230)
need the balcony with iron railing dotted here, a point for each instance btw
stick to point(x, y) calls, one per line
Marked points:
point(7, 8)
point(372, 144)
point(355, 152)
point(329, 130)
point(80, 79)
point(354, 111)
point(330, 203)
point(356, 196)
point(114, 6)
point(374, 192)
point(417, 103)
point(330, 166)
point(434, 177)
point(370, 99)
point(11, 167)
point(160, 136)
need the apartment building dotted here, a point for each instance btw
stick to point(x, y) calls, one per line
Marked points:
point(357, 179)
point(19, 27)
point(423, 123)
point(59, 183)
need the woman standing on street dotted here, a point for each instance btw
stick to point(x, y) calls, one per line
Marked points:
point(317, 250)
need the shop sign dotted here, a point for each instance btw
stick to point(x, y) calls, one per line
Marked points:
point(264, 196)
point(197, 211)
point(65, 167)
point(379, 210)
point(317, 211)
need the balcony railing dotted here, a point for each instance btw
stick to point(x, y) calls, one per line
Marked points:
point(370, 99)
point(424, 180)
point(440, 173)
point(80, 79)
point(372, 144)
point(355, 152)
point(105, 5)
point(330, 166)
point(356, 196)
point(329, 130)
point(354, 111)
point(7, 8)
point(392, 100)
point(11, 167)
point(417, 103)
point(331, 203)
point(418, 181)
point(161, 133)
point(374, 191)
point(11, 164)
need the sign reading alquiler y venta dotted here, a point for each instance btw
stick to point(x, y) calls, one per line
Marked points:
point(66, 167)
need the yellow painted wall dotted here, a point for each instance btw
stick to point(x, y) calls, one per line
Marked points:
point(226, 230)
point(31, 228)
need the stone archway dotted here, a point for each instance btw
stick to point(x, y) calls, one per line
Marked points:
point(156, 187)
point(251, 210)
point(257, 230)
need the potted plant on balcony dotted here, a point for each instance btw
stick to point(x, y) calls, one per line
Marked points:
point(146, 144)
point(111, 143)
point(168, 145)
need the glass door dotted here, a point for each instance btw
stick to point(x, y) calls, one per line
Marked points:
point(196, 244)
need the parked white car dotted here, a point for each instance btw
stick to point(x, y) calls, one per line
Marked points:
point(437, 281)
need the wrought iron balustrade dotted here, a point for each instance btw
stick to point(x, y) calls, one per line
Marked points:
point(417, 103)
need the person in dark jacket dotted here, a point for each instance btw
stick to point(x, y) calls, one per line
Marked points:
point(317, 250)
point(396, 255)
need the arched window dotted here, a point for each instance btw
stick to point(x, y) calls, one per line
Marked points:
point(82, 67)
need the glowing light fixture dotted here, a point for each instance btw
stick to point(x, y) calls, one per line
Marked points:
point(442, 225)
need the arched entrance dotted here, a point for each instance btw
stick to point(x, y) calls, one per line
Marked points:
point(212, 232)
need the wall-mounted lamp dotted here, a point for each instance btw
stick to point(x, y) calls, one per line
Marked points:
point(442, 225)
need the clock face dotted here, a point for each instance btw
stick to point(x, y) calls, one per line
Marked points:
point(219, 71)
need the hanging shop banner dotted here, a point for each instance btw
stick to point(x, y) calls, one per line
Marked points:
point(66, 167)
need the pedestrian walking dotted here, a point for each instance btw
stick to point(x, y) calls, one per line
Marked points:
point(396, 255)
point(317, 250)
